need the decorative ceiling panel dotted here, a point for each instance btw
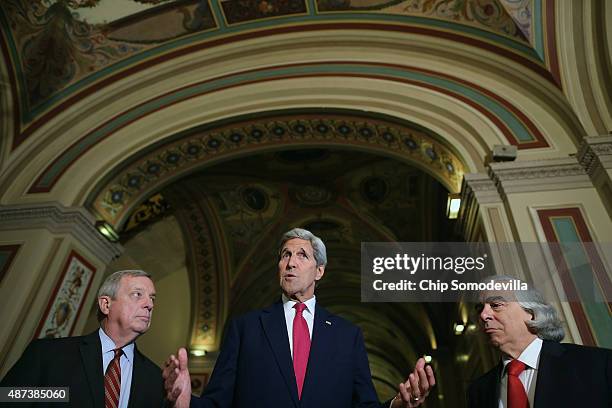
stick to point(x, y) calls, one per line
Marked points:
point(484, 14)
point(193, 149)
point(239, 11)
point(56, 57)
point(163, 24)
point(54, 49)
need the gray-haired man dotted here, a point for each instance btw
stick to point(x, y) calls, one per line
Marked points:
point(265, 353)
point(104, 368)
point(536, 370)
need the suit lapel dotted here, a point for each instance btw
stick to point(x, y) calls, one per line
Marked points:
point(549, 390)
point(275, 329)
point(91, 356)
point(321, 352)
point(138, 386)
point(484, 392)
point(492, 389)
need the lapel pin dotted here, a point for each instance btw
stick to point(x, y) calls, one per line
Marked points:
point(328, 322)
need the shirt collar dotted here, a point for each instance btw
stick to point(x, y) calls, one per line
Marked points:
point(529, 356)
point(289, 303)
point(108, 345)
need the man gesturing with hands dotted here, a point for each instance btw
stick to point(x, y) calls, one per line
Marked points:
point(293, 353)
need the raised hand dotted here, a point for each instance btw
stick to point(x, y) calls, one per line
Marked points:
point(177, 381)
point(419, 383)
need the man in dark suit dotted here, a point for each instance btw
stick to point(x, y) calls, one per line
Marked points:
point(103, 369)
point(293, 353)
point(536, 370)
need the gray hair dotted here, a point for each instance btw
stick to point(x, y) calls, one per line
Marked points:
point(318, 247)
point(111, 284)
point(545, 324)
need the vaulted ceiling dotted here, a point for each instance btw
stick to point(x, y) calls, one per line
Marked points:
point(107, 64)
point(60, 51)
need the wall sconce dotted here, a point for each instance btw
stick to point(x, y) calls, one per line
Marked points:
point(197, 352)
point(462, 358)
point(452, 205)
point(458, 328)
point(105, 229)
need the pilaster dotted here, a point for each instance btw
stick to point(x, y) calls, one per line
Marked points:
point(50, 285)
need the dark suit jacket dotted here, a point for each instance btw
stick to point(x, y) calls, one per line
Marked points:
point(76, 362)
point(255, 369)
point(568, 376)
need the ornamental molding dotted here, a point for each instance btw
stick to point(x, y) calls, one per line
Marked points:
point(481, 187)
point(595, 154)
point(208, 294)
point(539, 169)
point(193, 149)
point(478, 191)
point(539, 175)
point(57, 219)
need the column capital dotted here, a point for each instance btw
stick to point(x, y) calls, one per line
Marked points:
point(539, 175)
point(481, 187)
point(477, 191)
point(54, 217)
point(595, 154)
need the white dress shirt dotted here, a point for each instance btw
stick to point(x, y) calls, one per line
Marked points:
point(308, 314)
point(531, 357)
point(126, 362)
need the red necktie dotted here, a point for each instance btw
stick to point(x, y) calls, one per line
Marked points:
point(301, 346)
point(517, 398)
point(112, 381)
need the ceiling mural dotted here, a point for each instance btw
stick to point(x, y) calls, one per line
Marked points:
point(245, 209)
point(152, 209)
point(59, 51)
point(169, 22)
point(239, 11)
point(522, 14)
point(478, 13)
point(316, 184)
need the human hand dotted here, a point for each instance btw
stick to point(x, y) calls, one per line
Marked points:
point(419, 383)
point(177, 381)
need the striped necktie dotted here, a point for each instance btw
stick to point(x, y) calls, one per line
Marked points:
point(112, 381)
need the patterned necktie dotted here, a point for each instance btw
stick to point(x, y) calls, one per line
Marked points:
point(112, 381)
point(301, 346)
point(517, 398)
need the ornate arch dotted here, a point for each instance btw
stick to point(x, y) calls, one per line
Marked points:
point(184, 153)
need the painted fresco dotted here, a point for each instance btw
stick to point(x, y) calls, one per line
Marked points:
point(67, 299)
point(522, 13)
point(238, 11)
point(56, 48)
point(61, 49)
point(487, 14)
point(163, 23)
